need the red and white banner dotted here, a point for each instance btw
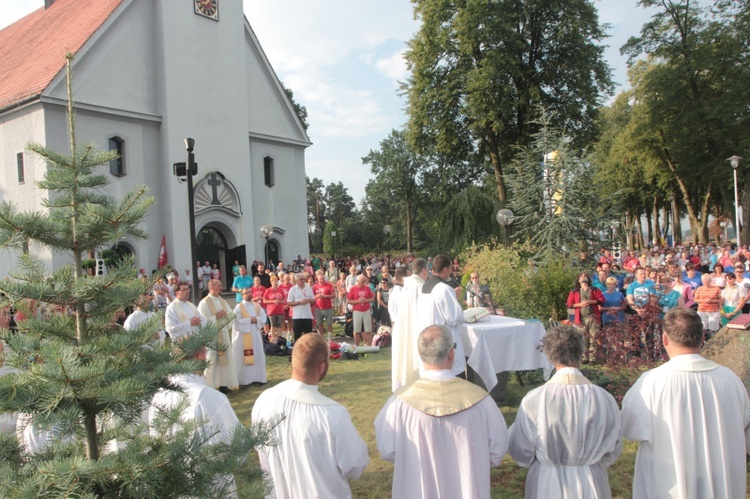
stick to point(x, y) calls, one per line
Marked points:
point(163, 260)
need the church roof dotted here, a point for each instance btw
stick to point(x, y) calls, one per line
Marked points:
point(32, 50)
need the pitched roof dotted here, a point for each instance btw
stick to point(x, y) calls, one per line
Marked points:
point(32, 50)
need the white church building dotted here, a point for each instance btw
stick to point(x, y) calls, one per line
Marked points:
point(147, 74)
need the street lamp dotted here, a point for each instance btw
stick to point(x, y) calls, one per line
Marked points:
point(188, 169)
point(735, 162)
point(266, 231)
point(387, 232)
point(505, 217)
point(333, 236)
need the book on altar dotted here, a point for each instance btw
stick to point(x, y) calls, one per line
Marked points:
point(472, 315)
point(742, 321)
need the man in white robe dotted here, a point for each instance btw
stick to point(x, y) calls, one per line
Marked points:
point(439, 304)
point(141, 316)
point(182, 317)
point(442, 433)
point(204, 404)
point(247, 342)
point(404, 365)
point(567, 431)
point(318, 449)
point(691, 418)
point(222, 371)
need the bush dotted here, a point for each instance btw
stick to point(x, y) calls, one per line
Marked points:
point(520, 287)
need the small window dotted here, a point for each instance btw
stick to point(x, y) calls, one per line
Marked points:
point(268, 171)
point(21, 172)
point(117, 165)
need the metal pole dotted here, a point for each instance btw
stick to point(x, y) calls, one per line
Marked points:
point(736, 210)
point(191, 216)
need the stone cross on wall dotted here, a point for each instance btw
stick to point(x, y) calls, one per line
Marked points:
point(214, 181)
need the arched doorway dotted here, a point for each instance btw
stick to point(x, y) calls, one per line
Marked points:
point(212, 247)
point(272, 250)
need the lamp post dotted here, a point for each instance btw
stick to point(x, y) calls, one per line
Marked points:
point(505, 217)
point(724, 225)
point(188, 169)
point(266, 231)
point(735, 162)
point(333, 236)
point(387, 232)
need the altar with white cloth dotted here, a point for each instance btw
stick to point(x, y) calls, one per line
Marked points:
point(497, 344)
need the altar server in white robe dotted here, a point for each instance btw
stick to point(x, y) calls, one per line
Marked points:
point(222, 370)
point(204, 404)
point(247, 342)
point(141, 316)
point(182, 317)
point(318, 449)
point(405, 361)
point(567, 431)
point(439, 304)
point(691, 418)
point(442, 433)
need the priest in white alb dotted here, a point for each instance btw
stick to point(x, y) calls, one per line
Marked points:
point(222, 371)
point(442, 433)
point(691, 419)
point(247, 342)
point(182, 317)
point(567, 431)
point(405, 363)
point(318, 449)
point(203, 404)
point(439, 304)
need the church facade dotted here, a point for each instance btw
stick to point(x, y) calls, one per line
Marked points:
point(147, 74)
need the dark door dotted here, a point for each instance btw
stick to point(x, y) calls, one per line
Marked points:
point(235, 254)
point(272, 247)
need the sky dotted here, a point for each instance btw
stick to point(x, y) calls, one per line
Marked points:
point(343, 59)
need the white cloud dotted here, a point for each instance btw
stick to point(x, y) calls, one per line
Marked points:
point(394, 67)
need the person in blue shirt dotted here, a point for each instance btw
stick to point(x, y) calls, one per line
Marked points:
point(241, 282)
point(692, 276)
point(640, 290)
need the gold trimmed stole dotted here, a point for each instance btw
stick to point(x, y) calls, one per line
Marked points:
point(441, 398)
point(247, 338)
point(220, 338)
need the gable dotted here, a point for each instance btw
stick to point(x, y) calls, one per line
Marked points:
point(270, 113)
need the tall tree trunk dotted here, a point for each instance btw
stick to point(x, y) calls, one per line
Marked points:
point(657, 224)
point(497, 167)
point(676, 220)
point(649, 228)
point(409, 222)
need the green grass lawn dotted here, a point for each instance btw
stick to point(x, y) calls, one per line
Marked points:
point(364, 385)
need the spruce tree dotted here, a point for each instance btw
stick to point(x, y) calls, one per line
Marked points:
point(554, 198)
point(85, 379)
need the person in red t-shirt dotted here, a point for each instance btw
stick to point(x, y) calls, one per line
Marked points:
point(285, 286)
point(360, 297)
point(324, 293)
point(258, 290)
point(274, 300)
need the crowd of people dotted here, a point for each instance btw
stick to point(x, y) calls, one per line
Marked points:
point(627, 297)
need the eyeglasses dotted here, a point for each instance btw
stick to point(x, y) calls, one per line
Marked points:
point(474, 277)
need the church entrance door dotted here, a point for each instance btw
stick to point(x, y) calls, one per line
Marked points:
point(212, 247)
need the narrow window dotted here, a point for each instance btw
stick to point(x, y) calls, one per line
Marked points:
point(117, 165)
point(21, 173)
point(268, 171)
